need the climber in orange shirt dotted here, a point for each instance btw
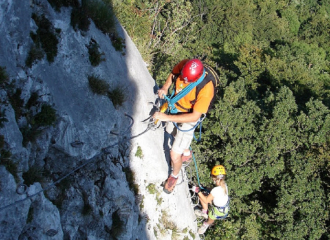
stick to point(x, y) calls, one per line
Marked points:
point(190, 110)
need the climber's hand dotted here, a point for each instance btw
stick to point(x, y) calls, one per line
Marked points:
point(161, 93)
point(195, 189)
point(161, 116)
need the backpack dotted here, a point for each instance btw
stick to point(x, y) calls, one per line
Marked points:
point(211, 75)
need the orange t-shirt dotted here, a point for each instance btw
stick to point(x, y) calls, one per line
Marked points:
point(204, 97)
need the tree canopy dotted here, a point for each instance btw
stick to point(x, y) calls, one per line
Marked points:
point(270, 126)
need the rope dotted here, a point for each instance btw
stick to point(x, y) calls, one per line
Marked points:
point(77, 168)
point(200, 133)
point(194, 196)
point(199, 184)
point(199, 122)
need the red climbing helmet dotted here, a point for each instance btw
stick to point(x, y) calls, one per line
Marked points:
point(192, 70)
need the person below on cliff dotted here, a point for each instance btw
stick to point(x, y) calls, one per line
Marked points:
point(219, 197)
point(190, 110)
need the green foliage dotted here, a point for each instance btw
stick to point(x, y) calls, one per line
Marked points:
point(166, 223)
point(2, 141)
point(29, 134)
point(5, 155)
point(46, 117)
point(130, 177)
point(192, 234)
point(117, 225)
point(95, 56)
point(102, 14)
point(141, 205)
point(8, 162)
point(151, 188)
point(155, 232)
point(30, 215)
point(118, 43)
point(315, 24)
point(34, 55)
point(250, 63)
point(86, 210)
point(46, 37)
point(293, 20)
point(270, 126)
point(32, 100)
point(117, 96)
point(16, 102)
point(139, 152)
point(3, 118)
point(57, 4)
point(79, 18)
point(34, 174)
point(101, 87)
point(224, 27)
point(266, 147)
point(136, 22)
point(158, 26)
point(175, 234)
point(162, 66)
point(3, 76)
point(98, 85)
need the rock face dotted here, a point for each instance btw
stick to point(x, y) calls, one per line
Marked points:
point(90, 174)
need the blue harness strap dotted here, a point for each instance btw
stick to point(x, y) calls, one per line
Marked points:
point(199, 122)
point(173, 110)
point(172, 100)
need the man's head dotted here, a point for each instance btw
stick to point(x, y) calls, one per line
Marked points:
point(192, 70)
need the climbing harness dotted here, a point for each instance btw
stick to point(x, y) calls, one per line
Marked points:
point(199, 123)
point(194, 197)
point(225, 210)
point(170, 108)
point(173, 100)
point(169, 105)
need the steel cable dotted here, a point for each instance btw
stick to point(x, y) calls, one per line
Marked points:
point(104, 150)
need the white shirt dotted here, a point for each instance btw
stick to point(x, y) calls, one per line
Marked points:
point(220, 197)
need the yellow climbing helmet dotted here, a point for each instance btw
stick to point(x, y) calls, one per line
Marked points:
point(218, 170)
